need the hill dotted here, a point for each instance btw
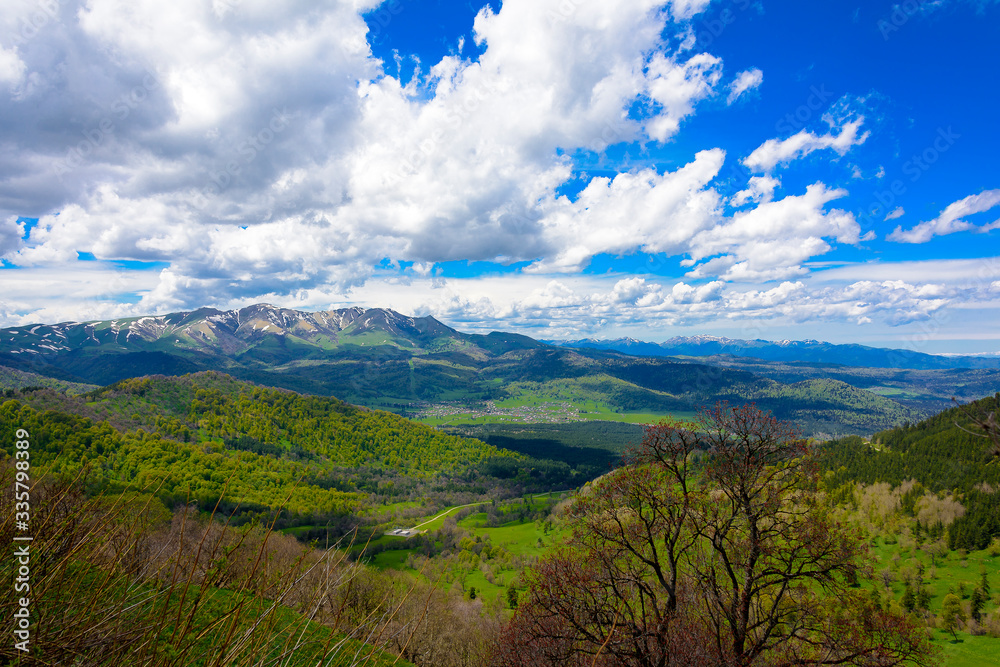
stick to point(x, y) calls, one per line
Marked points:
point(922, 382)
point(11, 378)
point(191, 437)
point(380, 358)
point(944, 453)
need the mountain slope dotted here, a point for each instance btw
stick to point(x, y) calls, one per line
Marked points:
point(199, 434)
point(944, 453)
point(14, 379)
point(380, 358)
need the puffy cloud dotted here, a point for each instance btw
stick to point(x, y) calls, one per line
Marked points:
point(684, 293)
point(11, 66)
point(773, 239)
point(759, 189)
point(631, 290)
point(773, 152)
point(745, 82)
point(686, 9)
point(765, 299)
point(642, 210)
point(262, 152)
point(950, 220)
point(675, 88)
point(260, 143)
point(10, 236)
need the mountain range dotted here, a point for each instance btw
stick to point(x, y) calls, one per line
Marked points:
point(380, 358)
point(805, 351)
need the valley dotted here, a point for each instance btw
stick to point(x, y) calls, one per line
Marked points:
point(456, 467)
point(381, 359)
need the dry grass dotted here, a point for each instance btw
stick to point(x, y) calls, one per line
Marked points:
point(118, 580)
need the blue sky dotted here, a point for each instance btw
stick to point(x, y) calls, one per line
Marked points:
point(562, 168)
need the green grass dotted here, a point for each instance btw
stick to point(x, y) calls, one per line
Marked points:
point(389, 509)
point(518, 539)
point(285, 629)
point(602, 413)
point(943, 577)
point(591, 398)
point(436, 521)
point(950, 570)
point(391, 560)
point(968, 651)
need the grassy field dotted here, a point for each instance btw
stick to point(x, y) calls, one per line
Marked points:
point(542, 413)
point(515, 542)
point(942, 575)
point(563, 400)
point(968, 651)
point(952, 572)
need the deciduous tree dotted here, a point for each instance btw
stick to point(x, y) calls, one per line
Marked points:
point(709, 547)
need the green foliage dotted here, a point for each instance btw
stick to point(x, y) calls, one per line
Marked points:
point(192, 437)
point(67, 445)
point(952, 614)
point(940, 454)
point(12, 379)
point(976, 603)
point(116, 580)
point(511, 597)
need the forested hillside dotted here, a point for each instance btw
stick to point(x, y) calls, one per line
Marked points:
point(946, 453)
point(189, 438)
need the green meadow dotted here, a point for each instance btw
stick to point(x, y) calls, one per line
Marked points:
point(503, 550)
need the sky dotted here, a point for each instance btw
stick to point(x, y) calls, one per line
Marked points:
point(564, 169)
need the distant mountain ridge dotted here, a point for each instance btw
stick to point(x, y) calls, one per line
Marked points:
point(380, 358)
point(231, 332)
point(806, 351)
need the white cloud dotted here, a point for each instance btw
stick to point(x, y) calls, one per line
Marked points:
point(682, 293)
point(759, 189)
point(687, 9)
point(578, 305)
point(772, 240)
point(963, 273)
point(676, 88)
point(895, 213)
point(10, 236)
point(774, 152)
point(262, 152)
point(950, 220)
point(11, 66)
point(236, 142)
point(571, 306)
point(643, 210)
point(745, 82)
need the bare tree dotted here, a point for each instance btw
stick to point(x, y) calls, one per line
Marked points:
point(735, 563)
point(985, 422)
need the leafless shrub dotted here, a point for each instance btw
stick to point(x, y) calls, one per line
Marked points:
point(932, 509)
